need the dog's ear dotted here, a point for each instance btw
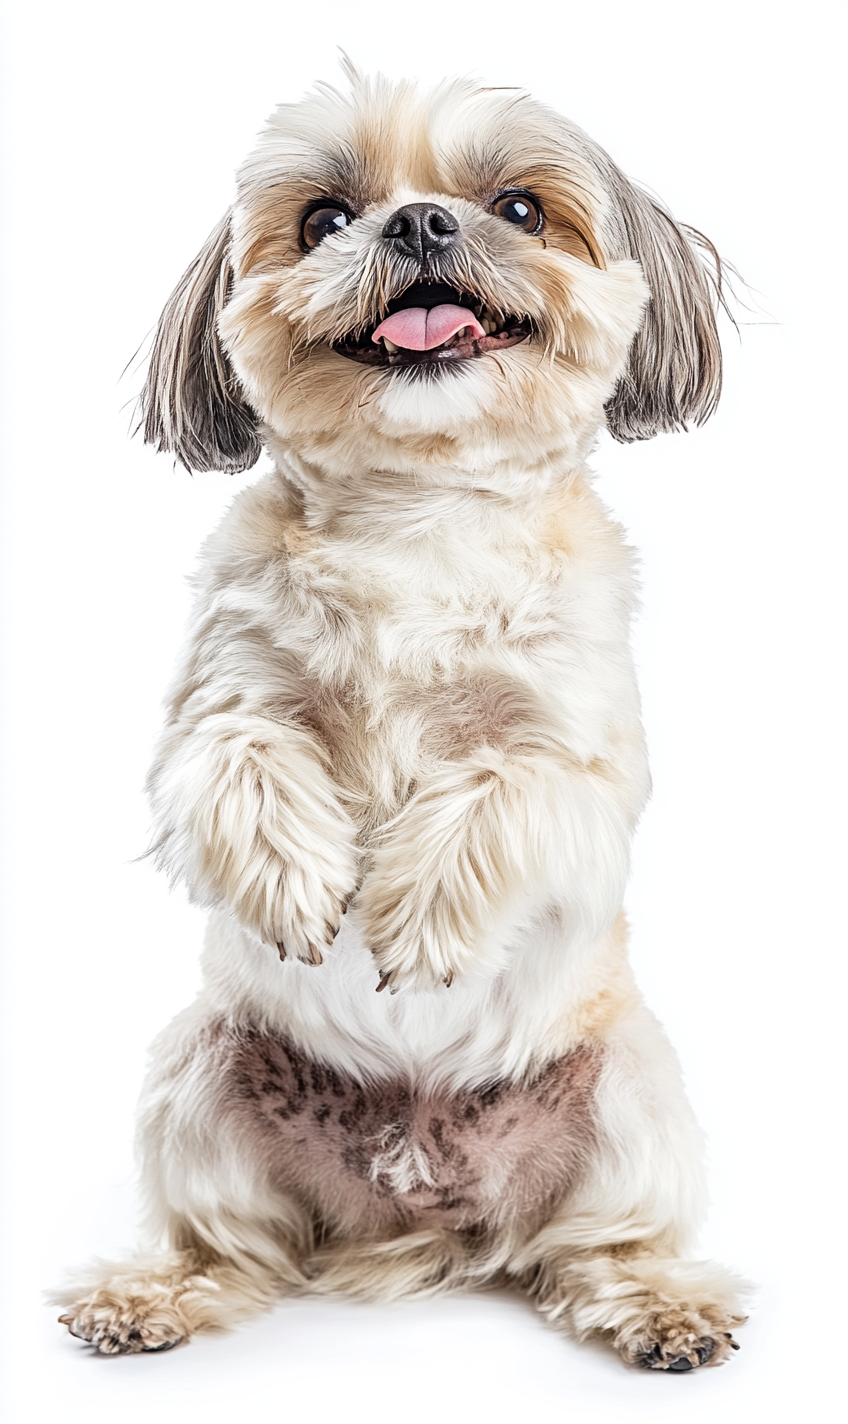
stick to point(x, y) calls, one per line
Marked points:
point(191, 403)
point(673, 377)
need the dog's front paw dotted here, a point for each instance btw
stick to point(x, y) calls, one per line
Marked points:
point(417, 942)
point(439, 879)
point(296, 908)
point(301, 918)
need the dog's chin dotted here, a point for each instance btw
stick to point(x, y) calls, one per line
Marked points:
point(501, 330)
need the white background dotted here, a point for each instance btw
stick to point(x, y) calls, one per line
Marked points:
point(124, 124)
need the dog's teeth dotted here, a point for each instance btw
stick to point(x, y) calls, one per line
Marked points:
point(389, 345)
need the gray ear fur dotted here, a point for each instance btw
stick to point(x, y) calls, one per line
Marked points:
point(674, 372)
point(191, 403)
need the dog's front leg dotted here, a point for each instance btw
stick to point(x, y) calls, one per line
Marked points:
point(248, 816)
point(484, 841)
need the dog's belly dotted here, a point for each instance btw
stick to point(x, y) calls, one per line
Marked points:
point(368, 1160)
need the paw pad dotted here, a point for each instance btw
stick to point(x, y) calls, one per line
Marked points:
point(699, 1353)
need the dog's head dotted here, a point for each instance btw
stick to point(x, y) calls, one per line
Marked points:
point(448, 280)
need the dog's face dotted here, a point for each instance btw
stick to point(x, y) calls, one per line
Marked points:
point(448, 284)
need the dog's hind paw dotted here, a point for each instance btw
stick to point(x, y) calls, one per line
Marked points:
point(115, 1330)
point(149, 1305)
point(677, 1340)
point(659, 1313)
point(687, 1353)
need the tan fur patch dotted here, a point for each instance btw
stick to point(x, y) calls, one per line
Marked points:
point(593, 1018)
point(574, 522)
point(266, 519)
point(269, 231)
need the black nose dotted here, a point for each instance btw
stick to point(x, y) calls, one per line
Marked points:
point(420, 228)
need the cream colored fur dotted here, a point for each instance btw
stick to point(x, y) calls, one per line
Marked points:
point(403, 744)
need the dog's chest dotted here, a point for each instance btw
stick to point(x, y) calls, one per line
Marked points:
point(389, 1156)
point(400, 673)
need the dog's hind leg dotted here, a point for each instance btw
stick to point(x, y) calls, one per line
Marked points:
point(154, 1301)
point(613, 1260)
point(230, 1238)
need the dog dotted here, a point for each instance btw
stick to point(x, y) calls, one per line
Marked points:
point(403, 749)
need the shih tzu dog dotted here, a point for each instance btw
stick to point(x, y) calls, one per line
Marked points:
point(403, 750)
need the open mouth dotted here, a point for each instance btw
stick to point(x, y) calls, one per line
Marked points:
point(433, 324)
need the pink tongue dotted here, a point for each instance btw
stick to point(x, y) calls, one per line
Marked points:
point(418, 329)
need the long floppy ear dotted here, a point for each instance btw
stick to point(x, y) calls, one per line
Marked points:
point(191, 403)
point(674, 371)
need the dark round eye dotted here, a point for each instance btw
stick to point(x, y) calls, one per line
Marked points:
point(519, 208)
point(323, 222)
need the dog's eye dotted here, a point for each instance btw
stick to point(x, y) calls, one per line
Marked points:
point(519, 208)
point(323, 222)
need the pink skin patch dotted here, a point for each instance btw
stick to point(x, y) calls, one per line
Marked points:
point(420, 329)
point(381, 1158)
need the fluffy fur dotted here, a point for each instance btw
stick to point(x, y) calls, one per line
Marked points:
point(403, 749)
